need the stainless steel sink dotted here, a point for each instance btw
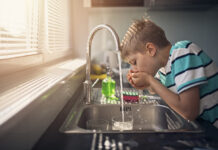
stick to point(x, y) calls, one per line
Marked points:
point(146, 118)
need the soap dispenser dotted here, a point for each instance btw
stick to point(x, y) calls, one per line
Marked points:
point(109, 86)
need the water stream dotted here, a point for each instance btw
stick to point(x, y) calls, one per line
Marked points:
point(121, 86)
point(124, 124)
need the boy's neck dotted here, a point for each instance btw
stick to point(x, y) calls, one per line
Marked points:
point(165, 53)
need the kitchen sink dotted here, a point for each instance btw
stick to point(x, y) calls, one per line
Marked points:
point(146, 118)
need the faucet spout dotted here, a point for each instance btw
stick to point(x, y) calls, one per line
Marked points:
point(88, 83)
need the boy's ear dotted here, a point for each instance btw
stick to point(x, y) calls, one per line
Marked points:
point(150, 49)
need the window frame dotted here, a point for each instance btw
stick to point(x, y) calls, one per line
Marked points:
point(21, 61)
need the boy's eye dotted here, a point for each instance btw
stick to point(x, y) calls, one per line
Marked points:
point(133, 62)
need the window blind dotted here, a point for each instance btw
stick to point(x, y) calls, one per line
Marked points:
point(58, 25)
point(18, 27)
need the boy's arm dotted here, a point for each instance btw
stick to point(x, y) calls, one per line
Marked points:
point(187, 103)
point(150, 90)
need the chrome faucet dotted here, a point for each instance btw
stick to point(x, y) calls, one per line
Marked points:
point(88, 84)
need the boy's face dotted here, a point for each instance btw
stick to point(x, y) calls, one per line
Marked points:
point(143, 62)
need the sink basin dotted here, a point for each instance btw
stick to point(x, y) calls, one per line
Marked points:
point(146, 118)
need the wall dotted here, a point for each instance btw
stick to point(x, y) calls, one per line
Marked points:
point(199, 26)
point(79, 28)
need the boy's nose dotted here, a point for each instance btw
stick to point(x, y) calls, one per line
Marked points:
point(134, 68)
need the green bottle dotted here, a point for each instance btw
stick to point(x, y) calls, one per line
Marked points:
point(109, 86)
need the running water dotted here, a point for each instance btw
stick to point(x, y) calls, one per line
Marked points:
point(121, 86)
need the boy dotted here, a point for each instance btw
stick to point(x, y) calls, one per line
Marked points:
point(187, 77)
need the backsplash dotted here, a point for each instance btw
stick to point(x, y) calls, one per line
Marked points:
point(199, 26)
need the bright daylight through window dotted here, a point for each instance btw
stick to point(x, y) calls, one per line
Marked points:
point(18, 27)
point(33, 27)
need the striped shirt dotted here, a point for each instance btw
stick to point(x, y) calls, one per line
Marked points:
point(189, 66)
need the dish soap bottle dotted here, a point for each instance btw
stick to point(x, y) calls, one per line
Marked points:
point(109, 86)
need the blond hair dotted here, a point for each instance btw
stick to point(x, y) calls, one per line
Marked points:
point(139, 33)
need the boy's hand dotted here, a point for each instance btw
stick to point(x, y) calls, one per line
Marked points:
point(129, 78)
point(141, 79)
point(138, 79)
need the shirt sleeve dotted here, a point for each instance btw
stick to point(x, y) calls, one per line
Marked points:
point(188, 69)
point(160, 78)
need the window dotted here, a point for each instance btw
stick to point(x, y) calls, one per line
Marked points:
point(18, 27)
point(35, 28)
point(57, 25)
point(33, 32)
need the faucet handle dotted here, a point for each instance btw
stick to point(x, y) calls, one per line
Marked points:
point(87, 91)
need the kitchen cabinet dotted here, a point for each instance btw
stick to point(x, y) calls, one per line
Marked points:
point(153, 4)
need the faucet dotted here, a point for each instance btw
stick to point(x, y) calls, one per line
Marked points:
point(87, 83)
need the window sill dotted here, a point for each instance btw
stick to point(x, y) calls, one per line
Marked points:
point(18, 62)
point(18, 91)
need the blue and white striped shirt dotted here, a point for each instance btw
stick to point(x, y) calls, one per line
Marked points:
point(189, 66)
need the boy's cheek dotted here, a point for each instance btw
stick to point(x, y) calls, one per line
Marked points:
point(134, 69)
point(143, 70)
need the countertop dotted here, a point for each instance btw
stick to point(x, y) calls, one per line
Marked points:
point(55, 140)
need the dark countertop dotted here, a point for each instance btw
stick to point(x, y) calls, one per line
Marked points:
point(55, 140)
point(150, 141)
